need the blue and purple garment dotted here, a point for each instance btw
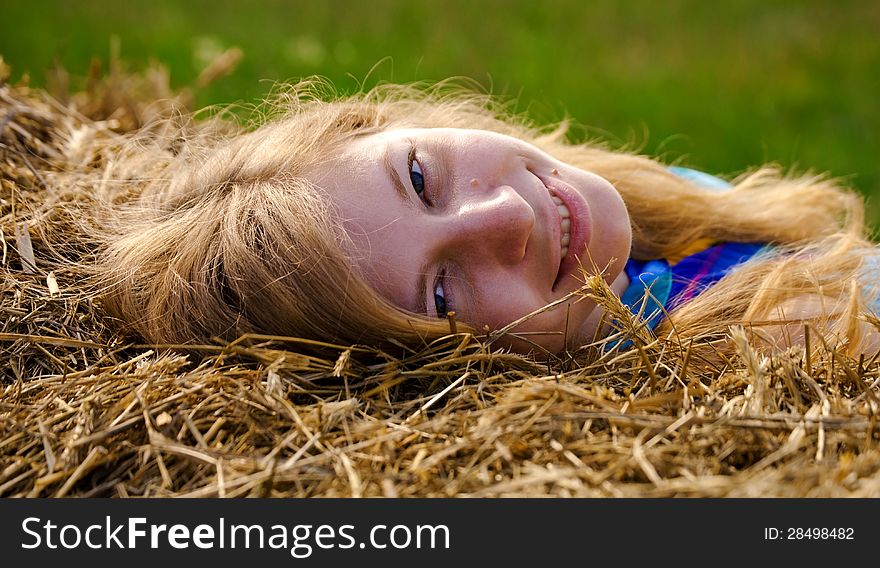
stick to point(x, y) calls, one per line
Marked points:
point(658, 286)
point(671, 285)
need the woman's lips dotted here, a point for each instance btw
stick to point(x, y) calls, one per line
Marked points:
point(579, 231)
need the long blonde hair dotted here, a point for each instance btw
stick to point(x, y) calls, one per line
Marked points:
point(215, 230)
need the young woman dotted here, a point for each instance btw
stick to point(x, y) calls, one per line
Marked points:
point(369, 218)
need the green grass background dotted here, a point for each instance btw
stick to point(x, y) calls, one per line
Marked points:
point(718, 85)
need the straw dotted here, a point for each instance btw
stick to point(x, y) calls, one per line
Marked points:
point(85, 411)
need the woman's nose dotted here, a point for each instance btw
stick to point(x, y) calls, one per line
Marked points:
point(494, 224)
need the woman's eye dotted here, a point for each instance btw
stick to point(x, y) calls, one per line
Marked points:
point(416, 177)
point(440, 300)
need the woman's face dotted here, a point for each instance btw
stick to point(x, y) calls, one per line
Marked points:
point(478, 223)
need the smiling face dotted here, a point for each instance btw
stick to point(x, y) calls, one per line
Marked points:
point(478, 223)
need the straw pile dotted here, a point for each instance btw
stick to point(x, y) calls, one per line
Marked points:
point(87, 412)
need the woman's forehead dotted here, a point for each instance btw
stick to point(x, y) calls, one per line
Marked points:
point(434, 134)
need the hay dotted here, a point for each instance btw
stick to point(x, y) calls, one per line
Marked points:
point(86, 412)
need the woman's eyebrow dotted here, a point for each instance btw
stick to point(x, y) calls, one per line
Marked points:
point(422, 290)
point(406, 198)
point(395, 177)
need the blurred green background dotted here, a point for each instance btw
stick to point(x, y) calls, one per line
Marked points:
point(719, 86)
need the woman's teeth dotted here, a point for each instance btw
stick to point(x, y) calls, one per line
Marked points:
point(566, 225)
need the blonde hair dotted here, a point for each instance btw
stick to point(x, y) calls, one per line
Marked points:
point(216, 231)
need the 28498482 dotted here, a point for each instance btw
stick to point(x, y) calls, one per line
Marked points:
point(809, 533)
